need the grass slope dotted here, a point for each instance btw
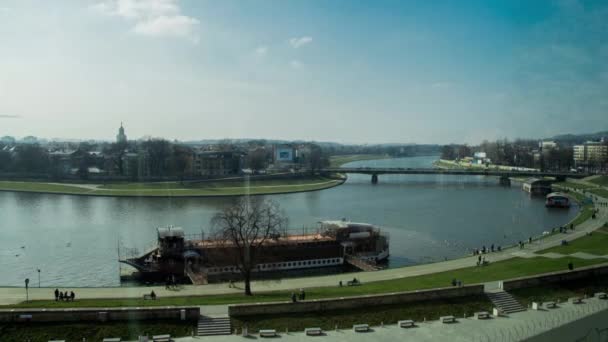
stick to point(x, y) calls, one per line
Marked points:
point(175, 189)
point(512, 268)
point(597, 244)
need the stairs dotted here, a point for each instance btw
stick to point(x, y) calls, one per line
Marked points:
point(208, 326)
point(505, 302)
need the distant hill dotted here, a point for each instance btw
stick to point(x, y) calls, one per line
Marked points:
point(579, 138)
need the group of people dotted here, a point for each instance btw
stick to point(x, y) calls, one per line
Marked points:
point(64, 296)
point(300, 296)
point(170, 282)
point(485, 250)
point(456, 282)
point(564, 229)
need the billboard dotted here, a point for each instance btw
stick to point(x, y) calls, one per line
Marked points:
point(284, 154)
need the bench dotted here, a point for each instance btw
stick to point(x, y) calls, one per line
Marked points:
point(268, 333)
point(112, 339)
point(447, 319)
point(550, 305)
point(482, 315)
point(601, 295)
point(353, 283)
point(149, 297)
point(408, 323)
point(576, 300)
point(361, 327)
point(313, 331)
point(161, 338)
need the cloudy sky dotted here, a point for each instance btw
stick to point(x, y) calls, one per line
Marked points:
point(331, 70)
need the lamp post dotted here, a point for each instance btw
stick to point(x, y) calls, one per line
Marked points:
point(27, 283)
point(38, 278)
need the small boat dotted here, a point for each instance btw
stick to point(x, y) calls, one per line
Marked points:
point(557, 200)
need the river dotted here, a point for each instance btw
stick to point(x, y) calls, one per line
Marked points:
point(73, 240)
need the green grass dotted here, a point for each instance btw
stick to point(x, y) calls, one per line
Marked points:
point(597, 244)
point(576, 185)
point(512, 268)
point(561, 291)
point(339, 160)
point(374, 316)
point(175, 189)
point(40, 187)
point(600, 192)
point(600, 180)
point(74, 332)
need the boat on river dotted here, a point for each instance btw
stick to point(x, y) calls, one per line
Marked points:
point(332, 245)
point(557, 200)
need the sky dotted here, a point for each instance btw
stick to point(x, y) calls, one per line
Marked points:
point(347, 71)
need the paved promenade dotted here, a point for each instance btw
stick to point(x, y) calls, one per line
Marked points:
point(527, 325)
point(12, 295)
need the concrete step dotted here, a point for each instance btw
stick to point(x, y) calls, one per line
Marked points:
point(505, 302)
point(211, 326)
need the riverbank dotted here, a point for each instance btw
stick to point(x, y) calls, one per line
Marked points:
point(218, 188)
point(339, 160)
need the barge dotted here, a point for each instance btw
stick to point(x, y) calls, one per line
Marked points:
point(557, 200)
point(332, 245)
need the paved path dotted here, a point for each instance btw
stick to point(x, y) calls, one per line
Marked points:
point(516, 327)
point(12, 295)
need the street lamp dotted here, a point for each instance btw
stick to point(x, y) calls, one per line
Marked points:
point(27, 283)
point(38, 278)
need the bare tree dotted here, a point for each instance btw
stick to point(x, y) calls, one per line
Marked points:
point(246, 228)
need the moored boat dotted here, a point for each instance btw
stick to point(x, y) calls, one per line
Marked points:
point(557, 200)
point(333, 244)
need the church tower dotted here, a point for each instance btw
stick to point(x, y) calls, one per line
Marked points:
point(121, 138)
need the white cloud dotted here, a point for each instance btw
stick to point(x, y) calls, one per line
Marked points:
point(297, 42)
point(261, 51)
point(161, 18)
point(296, 64)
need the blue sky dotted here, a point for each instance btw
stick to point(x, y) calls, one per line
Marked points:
point(331, 70)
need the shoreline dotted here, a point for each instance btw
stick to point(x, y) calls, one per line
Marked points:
point(133, 193)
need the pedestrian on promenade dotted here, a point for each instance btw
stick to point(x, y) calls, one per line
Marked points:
point(293, 297)
point(492, 248)
point(72, 296)
point(153, 295)
point(530, 239)
point(479, 260)
point(302, 294)
point(570, 266)
point(61, 296)
point(454, 279)
point(56, 294)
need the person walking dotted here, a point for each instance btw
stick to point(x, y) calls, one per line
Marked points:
point(293, 297)
point(61, 296)
point(56, 295)
point(72, 296)
point(302, 294)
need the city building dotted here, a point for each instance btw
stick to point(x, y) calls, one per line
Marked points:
point(121, 138)
point(216, 163)
point(592, 154)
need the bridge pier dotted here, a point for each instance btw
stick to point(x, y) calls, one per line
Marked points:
point(505, 181)
point(374, 178)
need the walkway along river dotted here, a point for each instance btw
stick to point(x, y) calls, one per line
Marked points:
point(73, 240)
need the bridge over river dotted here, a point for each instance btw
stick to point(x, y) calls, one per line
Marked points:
point(503, 174)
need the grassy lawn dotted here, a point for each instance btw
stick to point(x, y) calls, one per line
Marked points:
point(175, 189)
point(600, 192)
point(40, 187)
point(601, 180)
point(512, 268)
point(597, 244)
point(74, 332)
point(576, 185)
point(387, 314)
point(561, 291)
point(339, 160)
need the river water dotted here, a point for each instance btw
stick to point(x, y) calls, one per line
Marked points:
point(74, 240)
